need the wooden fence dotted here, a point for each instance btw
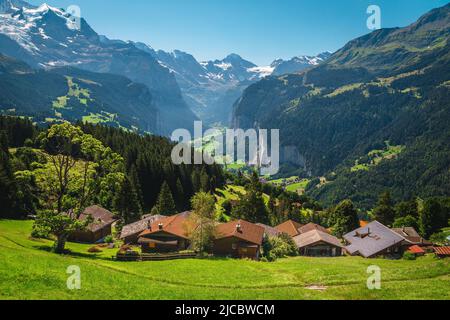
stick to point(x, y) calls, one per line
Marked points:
point(154, 257)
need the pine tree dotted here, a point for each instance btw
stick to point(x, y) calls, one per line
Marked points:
point(136, 184)
point(126, 203)
point(204, 181)
point(165, 204)
point(179, 195)
point(384, 212)
point(195, 178)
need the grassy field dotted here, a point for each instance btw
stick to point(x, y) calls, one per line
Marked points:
point(29, 271)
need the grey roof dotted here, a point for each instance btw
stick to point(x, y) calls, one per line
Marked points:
point(371, 239)
point(101, 217)
point(139, 226)
point(314, 236)
point(270, 231)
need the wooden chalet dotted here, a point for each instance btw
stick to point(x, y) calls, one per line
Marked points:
point(130, 232)
point(238, 239)
point(98, 229)
point(318, 243)
point(169, 234)
point(374, 240)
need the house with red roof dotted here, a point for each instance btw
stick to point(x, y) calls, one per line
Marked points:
point(169, 234)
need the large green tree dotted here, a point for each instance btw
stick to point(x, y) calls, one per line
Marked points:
point(202, 222)
point(343, 218)
point(79, 171)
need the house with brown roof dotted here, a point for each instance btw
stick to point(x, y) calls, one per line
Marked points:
point(130, 232)
point(289, 227)
point(412, 237)
point(374, 240)
point(238, 239)
point(318, 243)
point(169, 234)
point(98, 229)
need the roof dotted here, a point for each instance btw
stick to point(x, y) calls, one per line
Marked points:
point(314, 236)
point(442, 251)
point(101, 217)
point(411, 235)
point(248, 231)
point(270, 231)
point(139, 226)
point(175, 225)
point(415, 249)
point(371, 239)
point(289, 227)
point(312, 226)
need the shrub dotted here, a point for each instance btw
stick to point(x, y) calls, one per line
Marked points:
point(280, 246)
point(108, 239)
point(94, 249)
point(409, 256)
point(440, 239)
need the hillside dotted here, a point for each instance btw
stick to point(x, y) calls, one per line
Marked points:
point(341, 278)
point(391, 85)
point(73, 94)
point(46, 37)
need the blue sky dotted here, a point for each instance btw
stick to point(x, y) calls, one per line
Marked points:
point(258, 30)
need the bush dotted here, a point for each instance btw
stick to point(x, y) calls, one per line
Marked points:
point(440, 239)
point(409, 256)
point(108, 239)
point(280, 246)
point(94, 249)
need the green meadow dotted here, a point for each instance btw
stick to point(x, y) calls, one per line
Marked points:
point(28, 270)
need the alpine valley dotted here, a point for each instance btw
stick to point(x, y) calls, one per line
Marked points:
point(374, 117)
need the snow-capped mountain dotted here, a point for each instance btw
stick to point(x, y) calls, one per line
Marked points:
point(212, 87)
point(47, 37)
point(209, 87)
point(297, 64)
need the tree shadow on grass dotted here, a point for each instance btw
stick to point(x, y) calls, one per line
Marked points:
point(70, 253)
